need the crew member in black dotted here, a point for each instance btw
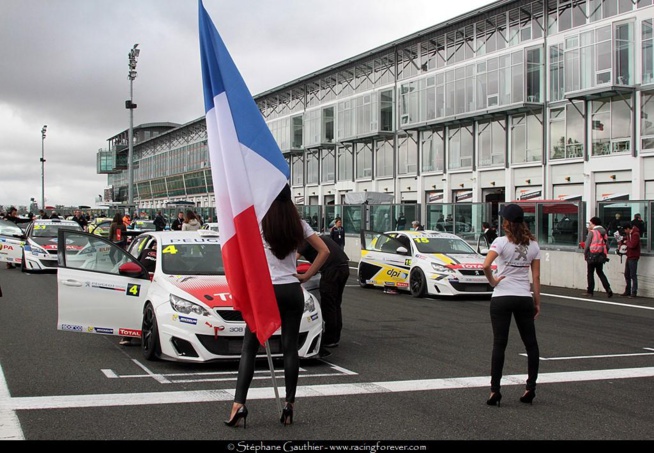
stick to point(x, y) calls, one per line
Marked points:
point(333, 277)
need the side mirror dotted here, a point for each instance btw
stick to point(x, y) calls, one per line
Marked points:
point(130, 270)
point(483, 251)
point(402, 251)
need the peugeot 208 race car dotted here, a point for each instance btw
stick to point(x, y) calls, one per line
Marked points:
point(12, 239)
point(422, 262)
point(182, 311)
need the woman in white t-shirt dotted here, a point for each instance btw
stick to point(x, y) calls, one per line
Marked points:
point(517, 252)
point(283, 232)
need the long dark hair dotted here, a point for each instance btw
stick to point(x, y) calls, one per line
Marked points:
point(281, 226)
point(517, 232)
point(118, 218)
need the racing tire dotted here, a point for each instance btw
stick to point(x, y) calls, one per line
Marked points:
point(362, 282)
point(150, 345)
point(417, 283)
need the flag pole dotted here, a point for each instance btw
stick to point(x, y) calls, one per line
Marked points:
point(272, 375)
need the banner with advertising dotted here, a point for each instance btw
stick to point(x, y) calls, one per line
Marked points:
point(435, 197)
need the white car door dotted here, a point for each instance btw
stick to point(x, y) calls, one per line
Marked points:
point(101, 288)
point(12, 239)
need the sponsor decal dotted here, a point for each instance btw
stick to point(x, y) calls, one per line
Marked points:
point(389, 284)
point(314, 316)
point(129, 333)
point(392, 273)
point(185, 319)
point(103, 330)
point(97, 285)
point(466, 266)
point(402, 285)
point(71, 327)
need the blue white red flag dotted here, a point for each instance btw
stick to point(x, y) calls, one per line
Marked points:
point(248, 172)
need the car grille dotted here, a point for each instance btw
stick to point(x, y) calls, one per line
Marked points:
point(230, 315)
point(472, 287)
point(223, 345)
point(472, 272)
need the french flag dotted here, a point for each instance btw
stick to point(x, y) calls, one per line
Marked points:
point(248, 171)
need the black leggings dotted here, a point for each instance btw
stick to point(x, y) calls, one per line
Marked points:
point(290, 300)
point(522, 308)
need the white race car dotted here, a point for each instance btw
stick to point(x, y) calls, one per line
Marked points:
point(181, 309)
point(12, 239)
point(40, 249)
point(422, 262)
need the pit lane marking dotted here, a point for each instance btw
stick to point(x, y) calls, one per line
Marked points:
point(222, 376)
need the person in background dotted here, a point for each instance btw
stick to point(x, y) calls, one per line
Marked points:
point(517, 252)
point(117, 234)
point(199, 218)
point(615, 223)
point(400, 224)
point(333, 277)
point(177, 223)
point(127, 220)
point(337, 233)
point(282, 232)
point(638, 223)
point(54, 215)
point(489, 232)
point(81, 220)
point(596, 238)
point(191, 222)
point(415, 225)
point(632, 241)
point(42, 214)
point(159, 222)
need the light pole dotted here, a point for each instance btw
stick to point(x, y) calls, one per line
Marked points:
point(133, 55)
point(43, 129)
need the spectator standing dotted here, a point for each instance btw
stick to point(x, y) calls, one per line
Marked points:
point(117, 234)
point(282, 232)
point(177, 223)
point(54, 215)
point(159, 222)
point(42, 214)
point(337, 233)
point(415, 225)
point(596, 241)
point(517, 252)
point(191, 222)
point(401, 222)
point(489, 232)
point(614, 224)
point(632, 241)
point(127, 220)
point(638, 223)
point(81, 220)
point(333, 277)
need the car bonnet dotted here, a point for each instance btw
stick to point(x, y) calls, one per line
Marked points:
point(211, 290)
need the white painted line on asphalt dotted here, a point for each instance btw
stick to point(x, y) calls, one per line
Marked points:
point(185, 397)
point(596, 301)
point(9, 424)
point(602, 356)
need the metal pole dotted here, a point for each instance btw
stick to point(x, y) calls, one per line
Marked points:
point(272, 375)
point(130, 153)
point(43, 166)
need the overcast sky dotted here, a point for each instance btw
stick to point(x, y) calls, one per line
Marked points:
point(64, 63)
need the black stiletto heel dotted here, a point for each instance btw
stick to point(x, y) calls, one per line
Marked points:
point(241, 413)
point(528, 397)
point(287, 415)
point(494, 399)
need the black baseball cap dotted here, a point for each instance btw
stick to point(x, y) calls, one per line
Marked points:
point(513, 213)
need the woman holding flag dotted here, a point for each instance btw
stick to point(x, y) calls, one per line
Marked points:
point(283, 232)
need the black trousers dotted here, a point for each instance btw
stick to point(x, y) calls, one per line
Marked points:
point(522, 309)
point(290, 300)
point(332, 285)
point(593, 268)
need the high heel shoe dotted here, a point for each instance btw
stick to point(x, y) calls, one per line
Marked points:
point(241, 413)
point(494, 400)
point(528, 397)
point(287, 415)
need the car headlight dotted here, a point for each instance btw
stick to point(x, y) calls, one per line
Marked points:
point(442, 269)
point(186, 307)
point(309, 303)
point(37, 249)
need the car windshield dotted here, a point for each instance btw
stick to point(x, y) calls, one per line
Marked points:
point(192, 259)
point(442, 245)
point(50, 230)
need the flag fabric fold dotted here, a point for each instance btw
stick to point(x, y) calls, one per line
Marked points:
point(248, 171)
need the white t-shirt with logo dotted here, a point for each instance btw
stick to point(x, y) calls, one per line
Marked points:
point(514, 262)
point(282, 271)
